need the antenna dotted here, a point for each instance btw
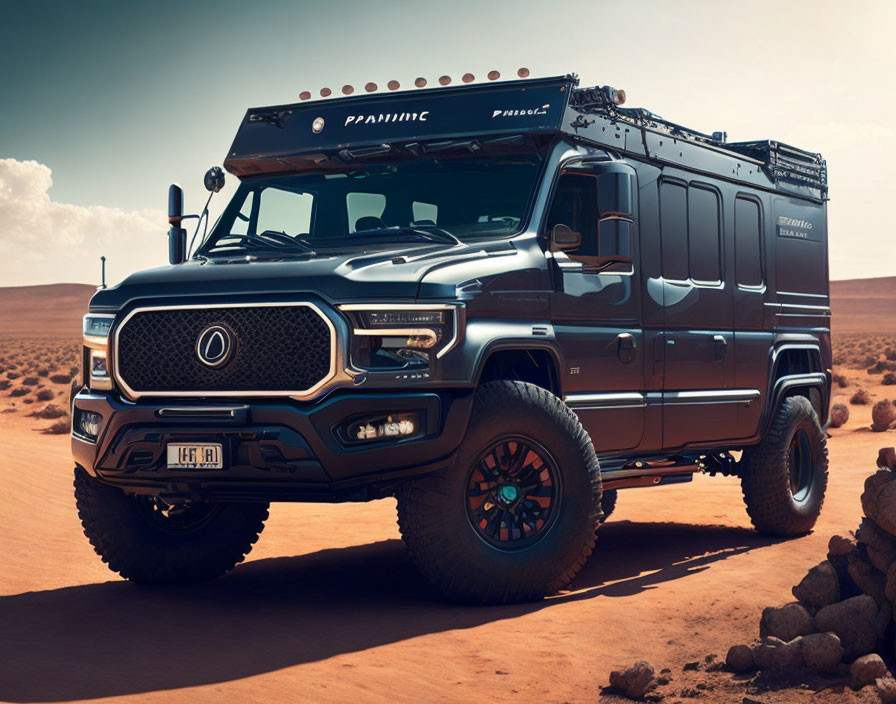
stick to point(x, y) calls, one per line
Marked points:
point(103, 271)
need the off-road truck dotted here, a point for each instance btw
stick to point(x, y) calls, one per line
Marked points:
point(499, 303)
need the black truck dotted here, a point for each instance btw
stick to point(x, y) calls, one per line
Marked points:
point(499, 302)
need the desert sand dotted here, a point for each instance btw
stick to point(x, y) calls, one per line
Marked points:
point(327, 607)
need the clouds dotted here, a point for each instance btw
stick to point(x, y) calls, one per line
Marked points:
point(44, 241)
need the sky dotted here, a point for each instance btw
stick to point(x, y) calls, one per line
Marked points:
point(106, 103)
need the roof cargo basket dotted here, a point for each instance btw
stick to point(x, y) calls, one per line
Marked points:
point(786, 164)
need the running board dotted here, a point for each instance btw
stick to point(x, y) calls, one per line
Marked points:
point(648, 480)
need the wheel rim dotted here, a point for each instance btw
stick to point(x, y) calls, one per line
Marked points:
point(800, 466)
point(512, 493)
point(176, 519)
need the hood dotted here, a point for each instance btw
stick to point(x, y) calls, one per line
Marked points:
point(396, 271)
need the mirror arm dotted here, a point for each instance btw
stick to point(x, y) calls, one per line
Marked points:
point(202, 216)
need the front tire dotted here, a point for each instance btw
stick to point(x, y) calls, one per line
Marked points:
point(513, 519)
point(148, 541)
point(786, 475)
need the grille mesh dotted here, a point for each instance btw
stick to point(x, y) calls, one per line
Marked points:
point(285, 348)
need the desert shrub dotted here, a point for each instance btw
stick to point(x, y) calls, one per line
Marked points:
point(28, 400)
point(881, 367)
point(43, 371)
point(860, 398)
point(61, 378)
point(12, 375)
point(841, 381)
point(889, 379)
point(73, 371)
point(45, 395)
point(839, 415)
point(883, 415)
point(30, 381)
point(60, 427)
point(21, 391)
point(51, 411)
point(890, 353)
point(4, 384)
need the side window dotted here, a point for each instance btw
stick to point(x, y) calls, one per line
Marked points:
point(575, 205)
point(747, 242)
point(703, 234)
point(285, 211)
point(674, 230)
point(365, 209)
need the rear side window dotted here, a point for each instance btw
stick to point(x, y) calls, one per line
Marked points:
point(747, 242)
point(674, 230)
point(703, 234)
point(365, 209)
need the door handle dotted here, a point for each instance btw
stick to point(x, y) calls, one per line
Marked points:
point(719, 346)
point(627, 347)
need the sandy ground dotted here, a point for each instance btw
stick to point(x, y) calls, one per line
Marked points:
point(328, 608)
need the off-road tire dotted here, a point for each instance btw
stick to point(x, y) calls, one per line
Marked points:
point(134, 546)
point(772, 504)
point(608, 503)
point(433, 510)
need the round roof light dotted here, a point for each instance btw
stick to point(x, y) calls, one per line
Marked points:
point(325, 92)
point(370, 87)
point(523, 73)
point(493, 75)
point(468, 78)
point(348, 90)
point(393, 85)
point(420, 82)
point(620, 96)
point(304, 95)
point(444, 80)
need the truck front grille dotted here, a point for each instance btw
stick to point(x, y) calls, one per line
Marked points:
point(282, 348)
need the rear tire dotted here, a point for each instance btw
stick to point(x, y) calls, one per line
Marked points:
point(608, 503)
point(786, 475)
point(149, 542)
point(513, 519)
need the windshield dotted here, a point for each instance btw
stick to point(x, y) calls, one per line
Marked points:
point(425, 199)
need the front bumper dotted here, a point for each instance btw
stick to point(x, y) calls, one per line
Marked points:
point(273, 449)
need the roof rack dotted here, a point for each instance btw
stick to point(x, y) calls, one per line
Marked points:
point(780, 162)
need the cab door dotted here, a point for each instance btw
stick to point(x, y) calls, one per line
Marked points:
point(596, 303)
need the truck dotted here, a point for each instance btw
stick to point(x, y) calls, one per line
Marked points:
point(498, 302)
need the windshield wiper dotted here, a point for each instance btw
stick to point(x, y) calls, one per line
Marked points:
point(431, 233)
point(267, 241)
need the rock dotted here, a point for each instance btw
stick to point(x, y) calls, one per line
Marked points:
point(883, 416)
point(839, 415)
point(778, 656)
point(841, 545)
point(890, 589)
point(867, 669)
point(822, 652)
point(873, 497)
point(691, 666)
point(883, 621)
point(886, 690)
point(867, 578)
point(785, 622)
point(886, 458)
point(634, 681)
point(740, 658)
point(819, 587)
point(880, 546)
point(854, 622)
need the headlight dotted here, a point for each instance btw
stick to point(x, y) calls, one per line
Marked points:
point(407, 337)
point(96, 350)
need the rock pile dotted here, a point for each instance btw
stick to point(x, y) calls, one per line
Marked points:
point(844, 606)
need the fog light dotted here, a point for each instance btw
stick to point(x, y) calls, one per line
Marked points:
point(88, 424)
point(382, 427)
point(98, 367)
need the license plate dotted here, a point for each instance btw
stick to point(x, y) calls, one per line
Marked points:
point(195, 455)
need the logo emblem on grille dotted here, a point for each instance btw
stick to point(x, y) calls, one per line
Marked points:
point(214, 345)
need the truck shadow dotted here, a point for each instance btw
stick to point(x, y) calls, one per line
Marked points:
point(113, 638)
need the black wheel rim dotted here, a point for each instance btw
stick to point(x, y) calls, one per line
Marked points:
point(800, 466)
point(176, 519)
point(512, 493)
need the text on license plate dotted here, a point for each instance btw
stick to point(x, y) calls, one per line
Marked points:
point(195, 455)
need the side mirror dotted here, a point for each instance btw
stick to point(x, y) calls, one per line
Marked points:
point(177, 236)
point(563, 237)
point(214, 179)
